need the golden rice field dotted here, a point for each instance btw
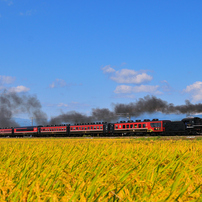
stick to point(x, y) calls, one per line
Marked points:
point(100, 170)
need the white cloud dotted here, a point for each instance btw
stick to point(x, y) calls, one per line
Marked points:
point(108, 69)
point(72, 105)
point(18, 89)
point(62, 105)
point(127, 75)
point(28, 13)
point(6, 79)
point(195, 90)
point(166, 86)
point(137, 89)
point(130, 76)
point(58, 83)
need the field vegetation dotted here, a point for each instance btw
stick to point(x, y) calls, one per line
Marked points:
point(134, 169)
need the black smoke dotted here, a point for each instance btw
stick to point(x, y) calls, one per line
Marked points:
point(76, 117)
point(148, 104)
point(12, 104)
point(152, 104)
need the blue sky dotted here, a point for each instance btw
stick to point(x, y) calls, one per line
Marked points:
point(78, 55)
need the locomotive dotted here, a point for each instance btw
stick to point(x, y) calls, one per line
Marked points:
point(187, 126)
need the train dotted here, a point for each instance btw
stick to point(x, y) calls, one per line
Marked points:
point(147, 127)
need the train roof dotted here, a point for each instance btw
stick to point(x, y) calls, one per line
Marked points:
point(145, 120)
point(190, 118)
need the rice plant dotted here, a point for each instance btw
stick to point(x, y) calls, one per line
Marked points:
point(100, 170)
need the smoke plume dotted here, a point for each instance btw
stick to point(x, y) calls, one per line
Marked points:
point(148, 104)
point(12, 104)
point(151, 104)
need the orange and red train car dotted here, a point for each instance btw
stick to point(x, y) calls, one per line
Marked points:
point(147, 127)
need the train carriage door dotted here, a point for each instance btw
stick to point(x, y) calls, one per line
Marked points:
point(68, 130)
point(105, 128)
point(110, 128)
point(39, 130)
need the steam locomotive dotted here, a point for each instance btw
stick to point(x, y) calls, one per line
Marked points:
point(187, 126)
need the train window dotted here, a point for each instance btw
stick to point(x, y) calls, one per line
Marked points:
point(57, 129)
point(85, 128)
point(88, 128)
point(100, 127)
point(91, 127)
point(153, 125)
point(76, 128)
point(82, 128)
point(139, 125)
point(119, 126)
point(94, 127)
point(131, 126)
point(97, 127)
point(135, 125)
point(144, 125)
point(127, 126)
point(116, 126)
point(124, 126)
point(48, 129)
point(79, 128)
